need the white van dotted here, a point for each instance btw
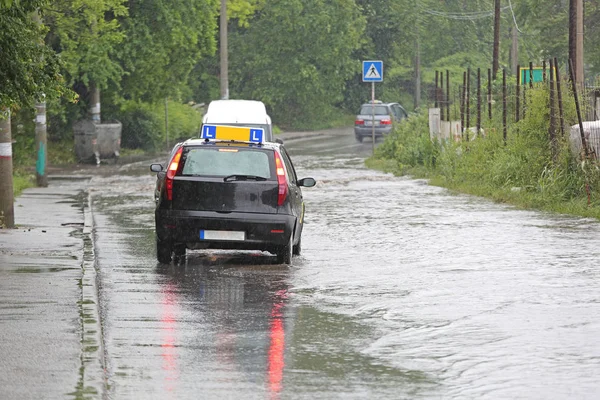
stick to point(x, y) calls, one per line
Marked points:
point(250, 113)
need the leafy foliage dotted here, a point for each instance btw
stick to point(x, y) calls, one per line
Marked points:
point(523, 170)
point(297, 56)
point(165, 40)
point(28, 69)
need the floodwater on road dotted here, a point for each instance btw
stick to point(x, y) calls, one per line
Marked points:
point(403, 290)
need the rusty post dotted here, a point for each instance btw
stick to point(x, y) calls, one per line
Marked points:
point(478, 100)
point(552, 126)
point(574, 83)
point(518, 97)
point(435, 93)
point(504, 104)
point(448, 95)
point(559, 96)
point(489, 99)
point(468, 100)
point(524, 87)
point(544, 71)
point(442, 106)
point(530, 75)
point(463, 102)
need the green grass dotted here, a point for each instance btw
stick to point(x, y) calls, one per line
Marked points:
point(522, 172)
point(22, 181)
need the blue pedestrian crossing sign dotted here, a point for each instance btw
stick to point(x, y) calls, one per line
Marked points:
point(372, 71)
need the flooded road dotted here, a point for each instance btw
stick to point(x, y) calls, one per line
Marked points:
point(402, 291)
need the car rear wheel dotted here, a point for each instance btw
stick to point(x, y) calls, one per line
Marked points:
point(284, 253)
point(163, 252)
point(359, 138)
point(298, 248)
point(179, 252)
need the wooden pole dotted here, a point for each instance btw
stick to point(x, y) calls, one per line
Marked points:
point(574, 83)
point(504, 104)
point(468, 100)
point(518, 98)
point(530, 75)
point(552, 125)
point(559, 95)
point(442, 105)
point(544, 71)
point(496, 46)
point(463, 102)
point(489, 99)
point(448, 95)
point(224, 58)
point(7, 214)
point(478, 100)
point(435, 93)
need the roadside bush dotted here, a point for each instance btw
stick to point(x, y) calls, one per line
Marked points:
point(523, 170)
point(144, 124)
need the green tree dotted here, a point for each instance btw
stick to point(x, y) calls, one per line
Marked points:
point(296, 56)
point(28, 69)
point(165, 40)
point(86, 34)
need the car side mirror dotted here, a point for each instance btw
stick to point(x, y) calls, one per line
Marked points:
point(307, 182)
point(278, 140)
point(156, 167)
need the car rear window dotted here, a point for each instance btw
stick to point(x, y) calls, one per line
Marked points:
point(225, 161)
point(367, 109)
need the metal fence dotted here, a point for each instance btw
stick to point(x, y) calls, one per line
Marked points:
point(465, 106)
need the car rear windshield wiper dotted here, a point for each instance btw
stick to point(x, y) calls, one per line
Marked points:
point(243, 178)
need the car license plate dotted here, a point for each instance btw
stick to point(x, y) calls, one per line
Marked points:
point(222, 235)
point(370, 123)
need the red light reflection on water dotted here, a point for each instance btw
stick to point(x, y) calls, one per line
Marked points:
point(168, 325)
point(276, 346)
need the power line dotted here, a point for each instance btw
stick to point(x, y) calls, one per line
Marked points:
point(513, 15)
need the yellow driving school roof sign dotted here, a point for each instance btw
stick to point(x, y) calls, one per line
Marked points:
point(234, 133)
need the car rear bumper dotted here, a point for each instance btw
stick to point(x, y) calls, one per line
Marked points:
point(262, 231)
point(368, 131)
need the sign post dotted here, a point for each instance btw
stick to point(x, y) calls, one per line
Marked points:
point(372, 72)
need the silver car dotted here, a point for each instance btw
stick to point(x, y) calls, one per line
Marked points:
point(386, 115)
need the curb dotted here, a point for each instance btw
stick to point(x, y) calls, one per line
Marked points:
point(92, 357)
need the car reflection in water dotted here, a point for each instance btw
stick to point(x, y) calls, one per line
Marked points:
point(234, 305)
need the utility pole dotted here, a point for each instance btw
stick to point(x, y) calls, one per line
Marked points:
point(417, 72)
point(576, 38)
point(41, 135)
point(94, 105)
point(514, 50)
point(496, 49)
point(579, 43)
point(7, 211)
point(224, 59)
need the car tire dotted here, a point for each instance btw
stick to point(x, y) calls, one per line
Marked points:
point(164, 252)
point(284, 253)
point(359, 138)
point(179, 252)
point(298, 248)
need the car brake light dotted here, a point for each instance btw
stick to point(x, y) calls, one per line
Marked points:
point(386, 122)
point(281, 180)
point(359, 122)
point(173, 165)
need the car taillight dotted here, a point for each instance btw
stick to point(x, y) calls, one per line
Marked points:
point(386, 122)
point(173, 165)
point(281, 180)
point(359, 122)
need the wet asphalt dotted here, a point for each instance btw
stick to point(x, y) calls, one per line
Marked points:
point(403, 290)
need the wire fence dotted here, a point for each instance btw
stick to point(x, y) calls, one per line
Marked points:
point(464, 107)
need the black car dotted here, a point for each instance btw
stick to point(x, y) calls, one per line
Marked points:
point(227, 194)
point(377, 117)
